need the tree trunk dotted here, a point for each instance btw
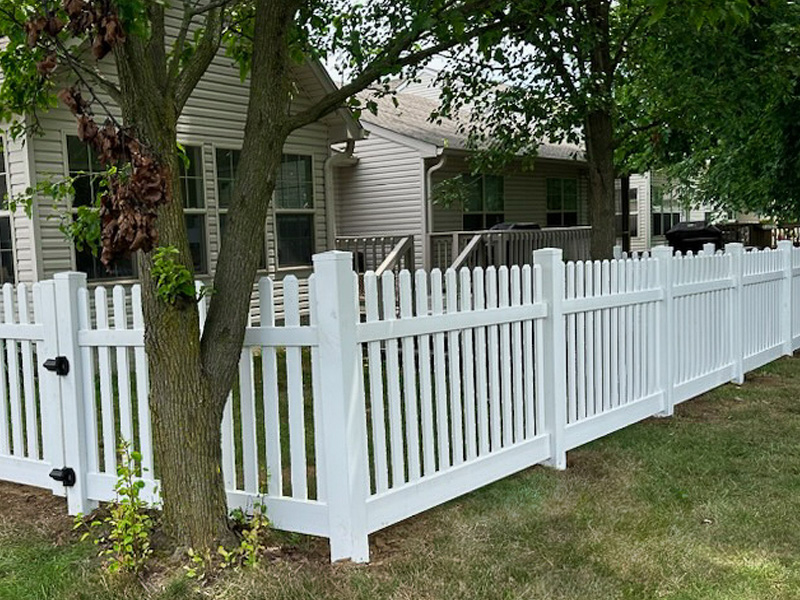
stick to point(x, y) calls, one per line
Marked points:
point(186, 418)
point(191, 378)
point(600, 134)
point(602, 213)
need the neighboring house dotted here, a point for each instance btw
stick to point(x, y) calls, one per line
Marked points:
point(211, 129)
point(653, 211)
point(388, 189)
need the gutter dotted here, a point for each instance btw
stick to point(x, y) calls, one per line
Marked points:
point(336, 159)
point(427, 207)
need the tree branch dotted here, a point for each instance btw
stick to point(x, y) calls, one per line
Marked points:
point(378, 68)
point(620, 53)
point(204, 53)
point(76, 65)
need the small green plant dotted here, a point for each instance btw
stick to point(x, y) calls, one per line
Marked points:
point(174, 280)
point(125, 541)
point(246, 554)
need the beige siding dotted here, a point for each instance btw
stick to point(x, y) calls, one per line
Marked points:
point(525, 193)
point(382, 194)
point(19, 179)
point(213, 117)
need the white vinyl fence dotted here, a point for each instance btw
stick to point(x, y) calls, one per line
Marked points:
point(397, 393)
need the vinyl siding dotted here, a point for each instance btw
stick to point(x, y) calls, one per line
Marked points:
point(19, 179)
point(213, 117)
point(382, 194)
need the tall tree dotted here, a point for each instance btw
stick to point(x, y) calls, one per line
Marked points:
point(156, 72)
point(719, 100)
point(560, 78)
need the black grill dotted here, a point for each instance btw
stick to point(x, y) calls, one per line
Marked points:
point(689, 236)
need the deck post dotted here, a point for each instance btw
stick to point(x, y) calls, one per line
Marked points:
point(555, 371)
point(785, 248)
point(666, 325)
point(344, 427)
point(736, 251)
point(71, 391)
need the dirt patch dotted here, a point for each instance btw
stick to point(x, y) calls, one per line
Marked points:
point(33, 510)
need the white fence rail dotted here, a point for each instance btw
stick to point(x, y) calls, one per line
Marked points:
point(343, 425)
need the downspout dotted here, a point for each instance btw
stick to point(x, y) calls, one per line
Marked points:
point(427, 209)
point(336, 159)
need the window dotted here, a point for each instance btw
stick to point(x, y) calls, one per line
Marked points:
point(294, 211)
point(227, 163)
point(194, 206)
point(633, 204)
point(6, 243)
point(666, 212)
point(85, 168)
point(485, 202)
point(562, 202)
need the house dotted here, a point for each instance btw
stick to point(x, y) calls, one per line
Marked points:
point(654, 211)
point(389, 186)
point(211, 130)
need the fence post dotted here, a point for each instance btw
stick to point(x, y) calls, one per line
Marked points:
point(666, 324)
point(555, 372)
point(344, 425)
point(617, 252)
point(709, 249)
point(73, 418)
point(736, 250)
point(785, 248)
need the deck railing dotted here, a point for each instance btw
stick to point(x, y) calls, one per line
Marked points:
point(456, 249)
point(379, 253)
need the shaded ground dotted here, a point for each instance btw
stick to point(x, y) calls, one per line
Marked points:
point(705, 505)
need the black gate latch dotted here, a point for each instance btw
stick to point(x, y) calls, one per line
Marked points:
point(65, 475)
point(59, 365)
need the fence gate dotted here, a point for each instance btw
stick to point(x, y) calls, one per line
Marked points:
point(31, 430)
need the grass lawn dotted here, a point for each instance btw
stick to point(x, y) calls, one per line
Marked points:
point(705, 505)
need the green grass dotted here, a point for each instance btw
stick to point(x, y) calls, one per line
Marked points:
point(705, 506)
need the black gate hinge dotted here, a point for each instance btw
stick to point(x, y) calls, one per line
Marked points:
point(65, 475)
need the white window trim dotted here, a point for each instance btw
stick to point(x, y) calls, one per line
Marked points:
point(206, 210)
point(4, 211)
point(275, 211)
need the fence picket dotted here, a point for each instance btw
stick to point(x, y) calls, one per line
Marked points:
point(409, 381)
point(426, 387)
point(481, 374)
point(294, 390)
point(14, 392)
point(28, 379)
point(454, 366)
point(106, 399)
point(505, 360)
point(516, 358)
point(439, 366)
point(393, 384)
point(269, 376)
point(142, 385)
point(468, 372)
point(494, 363)
point(123, 367)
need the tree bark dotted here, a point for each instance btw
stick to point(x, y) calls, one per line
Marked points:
point(190, 379)
point(185, 417)
point(602, 213)
point(600, 133)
